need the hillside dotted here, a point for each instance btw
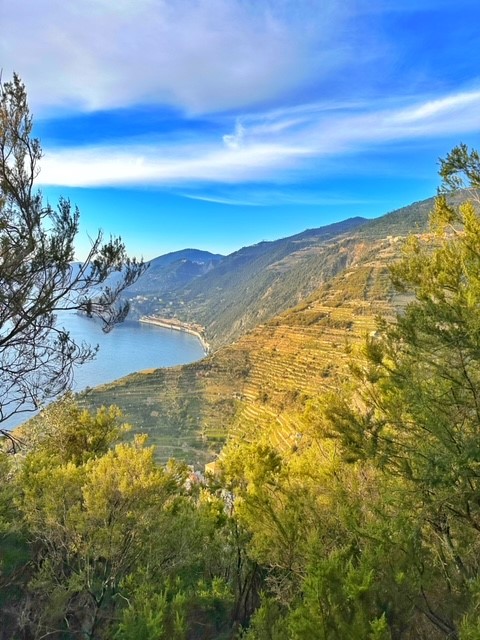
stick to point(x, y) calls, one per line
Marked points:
point(266, 380)
point(252, 285)
point(168, 273)
point(255, 283)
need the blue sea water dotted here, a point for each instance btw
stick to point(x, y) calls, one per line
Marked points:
point(131, 346)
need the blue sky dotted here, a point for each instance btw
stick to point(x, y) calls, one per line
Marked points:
point(220, 123)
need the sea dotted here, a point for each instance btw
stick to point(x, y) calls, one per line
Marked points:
point(131, 346)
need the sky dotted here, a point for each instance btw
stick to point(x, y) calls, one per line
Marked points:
point(216, 124)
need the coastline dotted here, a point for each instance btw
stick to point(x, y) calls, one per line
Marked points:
point(176, 325)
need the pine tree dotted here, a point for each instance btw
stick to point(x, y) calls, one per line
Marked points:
point(37, 278)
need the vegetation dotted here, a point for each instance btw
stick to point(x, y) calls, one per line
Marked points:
point(344, 504)
point(361, 516)
point(98, 539)
point(37, 278)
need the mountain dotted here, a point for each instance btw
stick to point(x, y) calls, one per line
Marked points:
point(255, 283)
point(270, 378)
point(168, 273)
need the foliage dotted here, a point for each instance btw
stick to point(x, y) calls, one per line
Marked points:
point(415, 414)
point(37, 277)
point(97, 538)
point(70, 433)
point(364, 524)
point(153, 615)
point(91, 522)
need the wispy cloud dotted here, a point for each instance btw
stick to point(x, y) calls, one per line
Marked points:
point(149, 165)
point(253, 68)
point(236, 201)
point(461, 105)
point(264, 146)
point(275, 197)
point(234, 140)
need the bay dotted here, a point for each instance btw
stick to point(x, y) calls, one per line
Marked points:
point(131, 346)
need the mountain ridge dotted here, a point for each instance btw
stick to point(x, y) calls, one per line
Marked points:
point(169, 272)
point(251, 276)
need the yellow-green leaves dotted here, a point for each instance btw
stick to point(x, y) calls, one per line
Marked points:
point(71, 433)
point(96, 509)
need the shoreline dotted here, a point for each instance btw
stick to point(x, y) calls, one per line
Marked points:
point(176, 325)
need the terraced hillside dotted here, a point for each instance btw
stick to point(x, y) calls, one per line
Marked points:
point(254, 284)
point(266, 380)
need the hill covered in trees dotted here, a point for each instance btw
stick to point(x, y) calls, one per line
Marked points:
point(254, 284)
point(231, 295)
point(165, 274)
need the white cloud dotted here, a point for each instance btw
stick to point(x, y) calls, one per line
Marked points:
point(110, 166)
point(442, 107)
point(219, 199)
point(264, 147)
point(275, 197)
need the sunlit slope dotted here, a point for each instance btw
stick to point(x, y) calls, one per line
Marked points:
point(263, 382)
point(256, 283)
